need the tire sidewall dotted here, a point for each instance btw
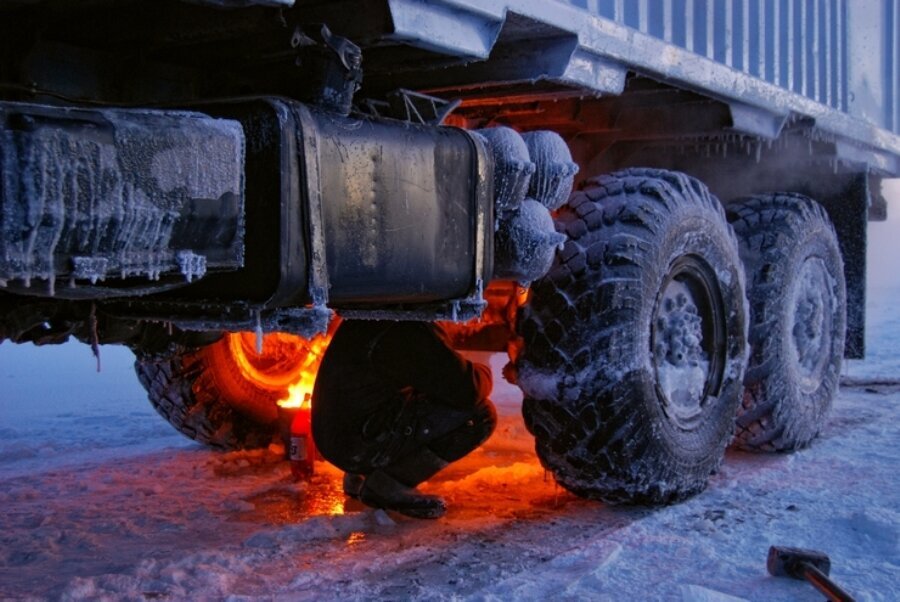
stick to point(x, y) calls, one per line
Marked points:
point(247, 398)
point(808, 408)
point(587, 367)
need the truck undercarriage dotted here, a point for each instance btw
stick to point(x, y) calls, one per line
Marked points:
point(211, 183)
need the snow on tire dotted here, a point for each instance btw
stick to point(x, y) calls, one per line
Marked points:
point(182, 388)
point(798, 305)
point(635, 341)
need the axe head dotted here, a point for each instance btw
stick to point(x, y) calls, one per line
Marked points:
point(789, 562)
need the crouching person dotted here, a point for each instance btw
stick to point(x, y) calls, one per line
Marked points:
point(394, 404)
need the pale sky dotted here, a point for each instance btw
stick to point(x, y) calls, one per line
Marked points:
point(884, 241)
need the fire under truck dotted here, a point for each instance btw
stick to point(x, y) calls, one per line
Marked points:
point(216, 183)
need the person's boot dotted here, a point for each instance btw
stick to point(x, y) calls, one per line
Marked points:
point(353, 484)
point(381, 490)
point(394, 487)
point(417, 467)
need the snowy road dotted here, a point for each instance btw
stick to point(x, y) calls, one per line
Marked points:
point(103, 501)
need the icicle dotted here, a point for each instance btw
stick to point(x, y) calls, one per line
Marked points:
point(758, 152)
point(259, 333)
point(169, 328)
point(95, 336)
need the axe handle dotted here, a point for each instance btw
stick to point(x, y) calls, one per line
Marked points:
point(825, 585)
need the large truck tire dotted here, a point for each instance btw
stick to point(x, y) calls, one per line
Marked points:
point(798, 305)
point(225, 394)
point(635, 342)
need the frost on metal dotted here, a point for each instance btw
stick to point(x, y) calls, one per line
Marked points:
point(555, 174)
point(539, 165)
point(192, 266)
point(90, 268)
point(512, 167)
point(681, 364)
point(526, 243)
point(98, 194)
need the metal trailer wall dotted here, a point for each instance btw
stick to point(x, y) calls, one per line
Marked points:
point(844, 54)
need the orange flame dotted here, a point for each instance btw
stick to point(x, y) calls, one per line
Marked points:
point(300, 392)
point(284, 371)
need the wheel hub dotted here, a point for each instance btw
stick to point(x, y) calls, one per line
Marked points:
point(687, 338)
point(811, 323)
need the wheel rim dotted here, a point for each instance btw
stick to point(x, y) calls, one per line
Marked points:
point(811, 324)
point(688, 340)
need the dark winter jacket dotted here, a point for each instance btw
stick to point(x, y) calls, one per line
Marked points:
point(372, 370)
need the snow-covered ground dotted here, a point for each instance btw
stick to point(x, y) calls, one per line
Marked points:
point(103, 500)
